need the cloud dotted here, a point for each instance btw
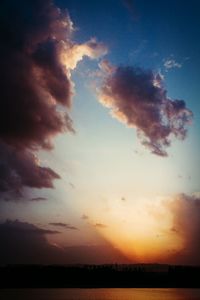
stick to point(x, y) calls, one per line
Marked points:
point(37, 55)
point(185, 210)
point(139, 99)
point(38, 199)
point(100, 225)
point(25, 243)
point(22, 168)
point(171, 64)
point(22, 242)
point(97, 224)
point(85, 217)
point(106, 67)
point(72, 185)
point(65, 225)
point(25, 228)
point(75, 52)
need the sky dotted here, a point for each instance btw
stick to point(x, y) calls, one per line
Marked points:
point(99, 132)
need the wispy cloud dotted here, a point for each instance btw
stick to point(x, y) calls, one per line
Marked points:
point(64, 225)
point(25, 227)
point(85, 217)
point(72, 185)
point(100, 225)
point(171, 64)
point(38, 199)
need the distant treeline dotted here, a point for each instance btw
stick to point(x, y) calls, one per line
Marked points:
point(86, 276)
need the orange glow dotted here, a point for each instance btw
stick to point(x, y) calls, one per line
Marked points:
point(142, 232)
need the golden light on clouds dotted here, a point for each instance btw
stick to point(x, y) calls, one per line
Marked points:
point(72, 53)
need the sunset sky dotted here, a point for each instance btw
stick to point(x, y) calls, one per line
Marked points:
point(100, 131)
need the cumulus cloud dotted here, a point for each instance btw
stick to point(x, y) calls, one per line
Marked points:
point(185, 210)
point(64, 225)
point(139, 99)
point(36, 56)
point(22, 168)
point(106, 67)
point(75, 52)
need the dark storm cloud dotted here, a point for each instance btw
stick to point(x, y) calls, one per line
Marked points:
point(21, 168)
point(64, 225)
point(25, 228)
point(36, 56)
point(24, 243)
point(185, 212)
point(35, 80)
point(34, 83)
point(138, 98)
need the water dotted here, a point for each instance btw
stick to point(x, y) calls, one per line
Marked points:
point(100, 294)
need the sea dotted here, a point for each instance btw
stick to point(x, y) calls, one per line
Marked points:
point(101, 294)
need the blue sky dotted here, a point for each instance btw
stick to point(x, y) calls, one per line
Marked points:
point(106, 174)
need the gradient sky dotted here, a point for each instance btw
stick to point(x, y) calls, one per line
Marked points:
point(116, 198)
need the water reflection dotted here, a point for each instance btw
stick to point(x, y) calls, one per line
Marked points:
point(100, 294)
